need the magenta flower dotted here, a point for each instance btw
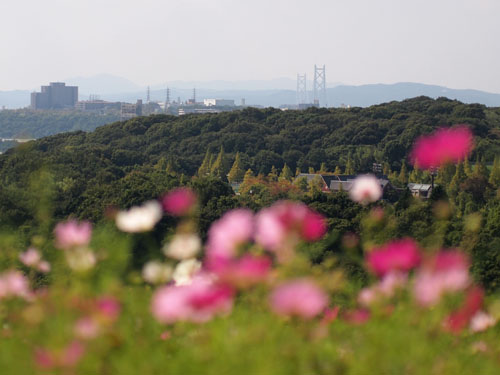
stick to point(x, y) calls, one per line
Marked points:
point(357, 317)
point(197, 302)
point(445, 145)
point(301, 298)
point(72, 234)
point(399, 255)
point(457, 321)
point(108, 308)
point(448, 271)
point(366, 189)
point(313, 227)
point(235, 228)
point(179, 202)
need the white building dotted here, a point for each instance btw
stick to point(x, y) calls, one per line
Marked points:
point(218, 103)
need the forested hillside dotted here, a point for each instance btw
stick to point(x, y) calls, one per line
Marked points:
point(124, 163)
point(25, 123)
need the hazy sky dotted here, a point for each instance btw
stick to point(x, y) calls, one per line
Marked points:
point(455, 43)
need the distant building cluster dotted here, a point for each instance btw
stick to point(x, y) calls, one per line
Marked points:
point(59, 96)
point(55, 96)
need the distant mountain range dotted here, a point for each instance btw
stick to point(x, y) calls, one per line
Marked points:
point(275, 93)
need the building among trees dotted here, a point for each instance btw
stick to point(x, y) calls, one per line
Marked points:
point(55, 96)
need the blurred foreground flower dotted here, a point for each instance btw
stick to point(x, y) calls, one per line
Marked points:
point(460, 319)
point(179, 202)
point(366, 189)
point(183, 246)
point(155, 272)
point(80, 259)
point(198, 302)
point(67, 357)
point(139, 218)
point(243, 272)
point(447, 271)
point(481, 321)
point(398, 255)
point(279, 226)
point(33, 259)
point(386, 288)
point(235, 228)
point(301, 298)
point(72, 234)
point(444, 146)
point(14, 284)
point(185, 271)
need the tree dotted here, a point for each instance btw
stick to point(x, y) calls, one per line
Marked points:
point(457, 179)
point(311, 170)
point(204, 169)
point(387, 169)
point(297, 171)
point(337, 171)
point(170, 168)
point(480, 169)
point(286, 173)
point(236, 173)
point(495, 173)
point(415, 175)
point(467, 167)
point(403, 178)
point(273, 175)
point(322, 168)
point(349, 168)
point(217, 168)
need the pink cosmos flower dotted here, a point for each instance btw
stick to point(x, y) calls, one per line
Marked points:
point(443, 146)
point(31, 257)
point(86, 328)
point(14, 284)
point(448, 271)
point(301, 298)
point(366, 189)
point(285, 219)
point(399, 255)
point(197, 302)
point(384, 289)
point(67, 358)
point(72, 234)
point(243, 272)
point(226, 234)
point(179, 202)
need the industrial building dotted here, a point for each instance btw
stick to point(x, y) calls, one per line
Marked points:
point(218, 103)
point(55, 96)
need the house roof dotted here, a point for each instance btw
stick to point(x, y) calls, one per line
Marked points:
point(419, 187)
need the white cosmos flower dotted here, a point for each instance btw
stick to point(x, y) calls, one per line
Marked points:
point(366, 189)
point(139, 218)
point(481, 321)
point(80, 259)
point(185, 271)
point(183, 246)
point(155, 272)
